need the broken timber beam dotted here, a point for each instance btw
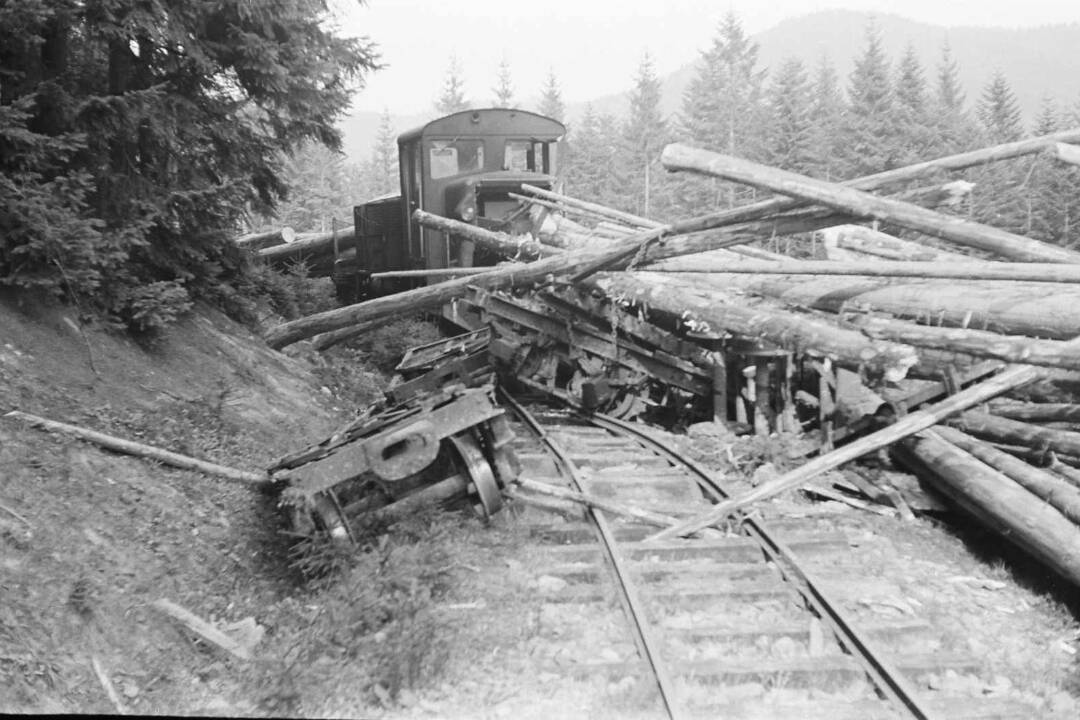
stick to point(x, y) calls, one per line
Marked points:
point(996, 500)
point(129, 447)
point(862, 204)
point(1012, 377)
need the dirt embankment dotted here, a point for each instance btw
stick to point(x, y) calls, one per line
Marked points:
point(88, 539)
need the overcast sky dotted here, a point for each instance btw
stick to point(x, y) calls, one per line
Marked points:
point(595, 46)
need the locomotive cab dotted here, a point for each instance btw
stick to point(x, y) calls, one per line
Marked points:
point(464, 167)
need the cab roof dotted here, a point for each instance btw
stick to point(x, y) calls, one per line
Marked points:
point(486, 122)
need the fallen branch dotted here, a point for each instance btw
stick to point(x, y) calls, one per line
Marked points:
point(107, 686)
point(16, 515)
point(129, 447)
point(203, 629)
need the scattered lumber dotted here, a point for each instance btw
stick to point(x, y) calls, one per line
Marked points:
point(996, 500)
point(497, 242)
point(309, 246)
point(716, 312)
point(1014, 432)
point(203, 629)
point(270, 238)
point(1060, 493)
point(129, 447)
point(970, 270)
point(856, 242)
point(906, 426)
point(862, 204)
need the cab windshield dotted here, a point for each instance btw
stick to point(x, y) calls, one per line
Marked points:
point(454, 157)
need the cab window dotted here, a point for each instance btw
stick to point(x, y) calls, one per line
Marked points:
point(528, 156)
point(447, 158)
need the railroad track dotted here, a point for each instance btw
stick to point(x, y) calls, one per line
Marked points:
point(759, 621)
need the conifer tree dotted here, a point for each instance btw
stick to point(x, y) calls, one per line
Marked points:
point(870, 129)
point(827, 111)
point(595, 173)
point(791, 125)
point(551, 102)
point(998, 111)
point(384, 158)
point(452, 99)
point(504, 88)
point(916, 135)
point(644, 137)
point(952, 124)
point(722, 110)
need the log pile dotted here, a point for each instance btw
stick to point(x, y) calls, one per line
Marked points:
point(951, 330)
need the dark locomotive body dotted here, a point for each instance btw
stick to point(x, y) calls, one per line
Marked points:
point(462, 166)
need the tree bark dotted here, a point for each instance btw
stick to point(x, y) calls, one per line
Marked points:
point(1036, 412)
point(856, 242)
point(1015, 432)
point(996, 500)
point(1060, 493)
point(713, 312)
point(497, 242)
point(906, 426)
point(1013, 308)
point(259, 241)
point(308, 246)
point(863, 204)
point(970, 270)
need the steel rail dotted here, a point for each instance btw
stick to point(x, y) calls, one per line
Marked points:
point(631, 600)
point(889, 681)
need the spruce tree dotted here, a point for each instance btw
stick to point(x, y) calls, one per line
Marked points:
point(504, 88)
point(827, 109)
point(998, 111)
point(915, 133)
point(551, 102)
point(791, 125)
point(644, 137)
point(723, 110)
point(953, 126)
point(452, 99)
point(870, 128)
point(384, 157)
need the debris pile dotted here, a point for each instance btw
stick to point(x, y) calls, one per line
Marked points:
point(874, 342)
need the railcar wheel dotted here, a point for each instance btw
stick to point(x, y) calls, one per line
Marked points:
point(483, 487)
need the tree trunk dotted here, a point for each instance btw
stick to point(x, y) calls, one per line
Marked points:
point(906, 426)
point(309, 246)
point(497, 242)
point(258, 241)
point(1012, 308)
point(591, 208)
point(1060, 493)
point(997, 501)
point(975, 343)
point(713, 312)
point(855, 242)
point(970, 270)
point(863, 204)
point(1015, 432)
point(1036, 412)
point(1067, 153)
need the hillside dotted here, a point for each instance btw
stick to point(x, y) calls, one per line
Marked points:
point(1037, 62)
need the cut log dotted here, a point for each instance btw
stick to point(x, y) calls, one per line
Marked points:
point(1036, 412)
point(1067, 153)
point(594, 208)
point(997, 501)
point(862, 204)
point(1015, 432)
point(1061, 494)
point(1013, 308)
point(970, 270)
point(139, 449)
point(270, 238)
point(906, 426)
point(309, 246)
point(855, 242)
point(203, 629)
point(719, 313)
point(497, 242)
point(429, 273)
point(976, 343)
